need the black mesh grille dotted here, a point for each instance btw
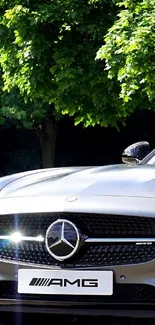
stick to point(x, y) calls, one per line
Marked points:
point(123, 293)
point(89, 255)
point(99, 255)
point(91, 225)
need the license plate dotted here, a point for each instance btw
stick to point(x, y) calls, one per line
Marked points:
point(65, 282)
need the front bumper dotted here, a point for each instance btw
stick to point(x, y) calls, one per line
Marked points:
point(134, 294)
point(127, 301)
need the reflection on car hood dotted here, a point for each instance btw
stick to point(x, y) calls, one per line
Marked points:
point(116, 180)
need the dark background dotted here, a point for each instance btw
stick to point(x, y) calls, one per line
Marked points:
point(20, 149)
point(27, 319)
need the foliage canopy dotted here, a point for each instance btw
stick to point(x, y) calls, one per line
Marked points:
point(47, 56)
point(129, 53)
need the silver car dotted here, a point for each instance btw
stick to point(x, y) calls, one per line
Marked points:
point(80, 239)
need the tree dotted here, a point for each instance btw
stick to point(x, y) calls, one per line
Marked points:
point(129, 54)
point(30, 115)
point(47, 56)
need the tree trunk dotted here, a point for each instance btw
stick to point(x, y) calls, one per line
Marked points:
point(47, 137)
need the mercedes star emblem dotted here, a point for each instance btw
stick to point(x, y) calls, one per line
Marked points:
point(62, 239)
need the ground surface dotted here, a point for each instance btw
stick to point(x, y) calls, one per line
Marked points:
point(33, 319)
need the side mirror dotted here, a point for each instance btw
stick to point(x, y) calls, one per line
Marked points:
point(135, 152)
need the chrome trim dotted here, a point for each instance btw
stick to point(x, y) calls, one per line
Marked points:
point(120, 240)
point(62, 239)
point(40, 238)
point(23, 238)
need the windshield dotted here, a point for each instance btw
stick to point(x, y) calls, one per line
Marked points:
point(151, 161)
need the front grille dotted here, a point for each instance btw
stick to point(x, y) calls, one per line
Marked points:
point(123, 293)
point(91, 225)
point(89, 255)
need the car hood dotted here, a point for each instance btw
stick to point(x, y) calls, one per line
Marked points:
point(116, 180)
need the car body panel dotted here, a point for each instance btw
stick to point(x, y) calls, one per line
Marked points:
point(85, 204)
point(118, 180)
point(118, 189)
